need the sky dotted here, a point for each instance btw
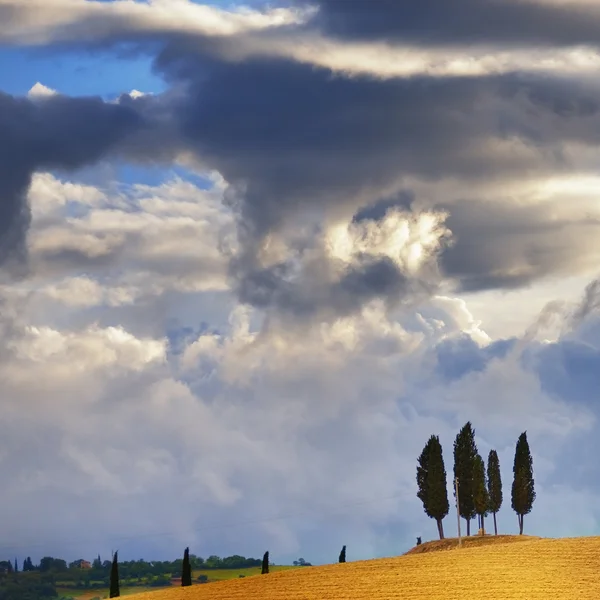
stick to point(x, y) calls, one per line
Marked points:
point(253, 257)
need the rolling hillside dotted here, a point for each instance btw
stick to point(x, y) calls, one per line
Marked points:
point(532, 569)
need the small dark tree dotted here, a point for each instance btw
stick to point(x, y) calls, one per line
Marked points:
point(523, 492)
point(481, 498)
point(465, 451)
point(114, 578)
point(343, 555)
point(431, 481)
point(16, 566)
point(186, 569)
point(494, 485)
point(265, 564)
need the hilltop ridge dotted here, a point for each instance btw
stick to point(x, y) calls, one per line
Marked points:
point(469, 542)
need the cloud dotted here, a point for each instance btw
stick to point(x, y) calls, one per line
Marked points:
point(52, 132)
point(39, 90)
point(82, 229)
point(519, 244)
point(350, 396)
point(121, 418)
point(297, 152)
point(296, 157)
point(294, 33)
point(38, 22)
point(461, 22)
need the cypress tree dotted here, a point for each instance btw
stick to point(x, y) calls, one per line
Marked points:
point(16, 566)
point(343, 555)
point(465, 452)
point(494, 485)
point(431, 482)
point(186, 569)
point(114, 579)
point(481, 498)
point(265, 564)
point(523, 492)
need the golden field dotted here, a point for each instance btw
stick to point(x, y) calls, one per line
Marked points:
point(532, 569)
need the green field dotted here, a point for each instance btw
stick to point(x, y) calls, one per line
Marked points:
point(82, 594)
point(212, 574)
point(223, 574)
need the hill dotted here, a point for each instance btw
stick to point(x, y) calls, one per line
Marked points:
point(533, 569)
point(469, 542)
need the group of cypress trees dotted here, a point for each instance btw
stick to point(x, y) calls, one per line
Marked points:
point(479, 491)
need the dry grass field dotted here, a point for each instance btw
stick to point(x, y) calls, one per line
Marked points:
point(532, 569)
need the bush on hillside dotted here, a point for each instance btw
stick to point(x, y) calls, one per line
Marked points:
point(160, 581)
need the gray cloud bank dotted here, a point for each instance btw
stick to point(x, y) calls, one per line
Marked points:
point(53, 133)
point(461, 22)
point(294, 142)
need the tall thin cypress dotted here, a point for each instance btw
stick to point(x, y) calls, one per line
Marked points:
point(265, 564)
point(114, 579)
point(523, 492)
point(465, 451)
point(431, 482)
point(16, 566)
point(186, 569)
point(481, 498)
point(343, 555)
point(494, 485)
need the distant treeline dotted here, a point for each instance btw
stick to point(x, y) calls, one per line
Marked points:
point(129, 569)
point(27, 586)
point(28, 581)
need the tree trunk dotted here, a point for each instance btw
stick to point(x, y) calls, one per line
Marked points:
point(521, 524)
point(483, 523)
point(440, 527)
point(495, 527)
point(468, 527)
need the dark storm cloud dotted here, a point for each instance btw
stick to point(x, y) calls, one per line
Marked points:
point(291, 137)
point(459, 356)
point(590, 303)
point(507, 245)
point(54, 133)
point(461, 22)
point(288, 134)
point(378, 209)
point(372, 277)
